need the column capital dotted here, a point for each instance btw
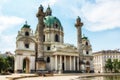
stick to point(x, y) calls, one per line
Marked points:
point(40, 12)
point(78, 22)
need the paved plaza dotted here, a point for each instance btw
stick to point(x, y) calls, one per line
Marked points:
point(56, 77)
point(52, 78)
point(72, 76)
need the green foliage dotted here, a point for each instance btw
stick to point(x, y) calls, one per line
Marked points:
point(119, 65)
point(112, 65)
point(1, 63)
point(6, 63)
point(10, 60)
point(109, 65)
point(115, 65)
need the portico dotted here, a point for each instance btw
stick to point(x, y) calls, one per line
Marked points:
point(65, 62)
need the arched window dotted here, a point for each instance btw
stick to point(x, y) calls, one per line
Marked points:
point(56, 38)
point(86, 43)
point(56, 25)
point(26, 33)
point(48, 59)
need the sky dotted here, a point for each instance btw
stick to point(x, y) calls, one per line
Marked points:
point(101, 20)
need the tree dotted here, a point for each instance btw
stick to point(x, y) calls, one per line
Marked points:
point(10, 60)
point(6, 64)
point(109, 65)
point(119, 65)
point(3, 64)
point(105, 67)
point(115, 65)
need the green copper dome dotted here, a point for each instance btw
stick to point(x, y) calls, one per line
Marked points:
point(52, 22)
point(84, 37)
point(26, 25)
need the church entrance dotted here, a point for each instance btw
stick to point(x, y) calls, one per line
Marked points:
point(87, 66)
point(26, 63)
point(87, 69)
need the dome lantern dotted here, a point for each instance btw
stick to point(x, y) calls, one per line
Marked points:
point(26, 25)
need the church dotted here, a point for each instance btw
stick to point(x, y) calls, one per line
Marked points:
point(44, 49)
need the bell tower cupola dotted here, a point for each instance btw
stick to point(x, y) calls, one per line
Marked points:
point(48, 11)
point(26, 30)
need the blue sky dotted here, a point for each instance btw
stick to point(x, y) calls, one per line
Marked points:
point(101, 20)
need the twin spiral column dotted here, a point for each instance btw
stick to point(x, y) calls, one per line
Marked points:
point(78, 26)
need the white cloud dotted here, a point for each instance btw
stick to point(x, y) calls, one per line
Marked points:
point(97, 15)
point(9, 22)
point(7, 42)
point(48, 2)
point(3, 1)
point(102, 15)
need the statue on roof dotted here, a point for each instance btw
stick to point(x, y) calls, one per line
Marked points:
point(40, 12)
point(48, 11)
point(78, 22)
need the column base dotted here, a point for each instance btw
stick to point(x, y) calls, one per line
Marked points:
point(60, 71)
point(40, 64)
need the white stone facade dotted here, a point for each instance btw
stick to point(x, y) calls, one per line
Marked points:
point(63, 57)
point(59, 57)
point(101, 57)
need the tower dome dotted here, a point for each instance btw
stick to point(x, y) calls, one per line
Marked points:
point(52, 22)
